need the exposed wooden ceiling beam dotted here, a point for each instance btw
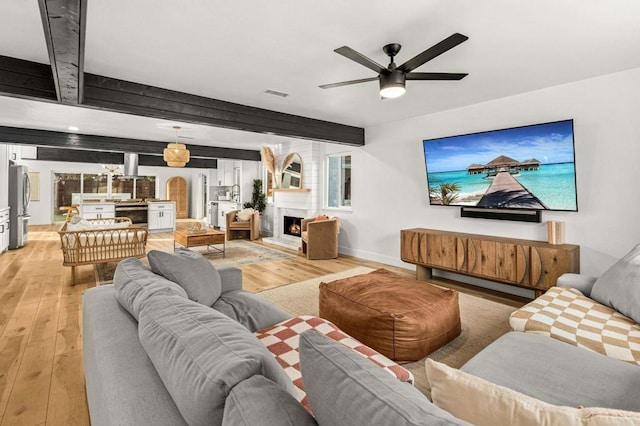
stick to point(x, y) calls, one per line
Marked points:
point(26, 79)
point(149, 101)
point(33, 80)
point(102, 157)
point(64, 23)
point(48, 138)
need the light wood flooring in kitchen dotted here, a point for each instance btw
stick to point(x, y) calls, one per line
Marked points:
point(41, 375)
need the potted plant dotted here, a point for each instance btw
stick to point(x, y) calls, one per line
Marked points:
point(258, 198)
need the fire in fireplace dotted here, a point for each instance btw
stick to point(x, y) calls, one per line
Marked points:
point(292, 225)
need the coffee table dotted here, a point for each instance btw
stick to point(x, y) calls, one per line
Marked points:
point(208, 237)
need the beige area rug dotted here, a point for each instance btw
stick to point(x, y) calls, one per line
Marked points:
point(237, 253)
point(483, 321)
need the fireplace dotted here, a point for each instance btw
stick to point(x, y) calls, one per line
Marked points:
point(292, 204)
point(292, 225)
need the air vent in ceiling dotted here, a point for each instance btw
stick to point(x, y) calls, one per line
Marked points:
point(275, 93)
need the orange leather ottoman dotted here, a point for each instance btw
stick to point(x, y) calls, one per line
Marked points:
point(402, 318)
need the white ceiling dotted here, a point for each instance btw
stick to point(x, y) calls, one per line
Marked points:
point(233, 51)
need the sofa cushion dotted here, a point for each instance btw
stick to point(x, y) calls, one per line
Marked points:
point(557, 373)
point(121, 383)
point(191, 270)
point(345, 388)
point(619, 286)
point(78, 223)
point(565, 314)
point(251, 310)
point(200, 354)
point(283, 341)
point(240, 224)
point(259, 401)
point(133, 282)
point(484, 403)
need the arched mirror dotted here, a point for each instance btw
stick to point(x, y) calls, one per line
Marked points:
point(292, 172)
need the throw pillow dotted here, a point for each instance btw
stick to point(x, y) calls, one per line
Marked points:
point(200, 354)
point(245, 214)
point(191, 271)
point(259, 401)
point(320, 217)
point(251, 310)
point(484, 403)
point(78, 223)
point(619, 286)
point(134, 282)
point(345, 388)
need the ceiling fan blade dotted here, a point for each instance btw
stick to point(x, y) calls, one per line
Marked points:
point(348, 52)
point(432, 52)
point(346, 83)
point(435, 76)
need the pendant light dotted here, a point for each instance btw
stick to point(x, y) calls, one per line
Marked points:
point(176, 154)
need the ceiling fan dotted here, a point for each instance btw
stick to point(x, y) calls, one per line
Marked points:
point(392, 78)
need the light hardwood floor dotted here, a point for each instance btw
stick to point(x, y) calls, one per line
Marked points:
point(41, 374)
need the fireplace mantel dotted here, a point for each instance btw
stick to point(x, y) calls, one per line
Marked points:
point(291, 190)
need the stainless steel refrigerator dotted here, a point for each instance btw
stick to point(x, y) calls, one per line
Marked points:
point(19, 194)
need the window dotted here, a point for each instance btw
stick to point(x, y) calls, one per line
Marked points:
point(74, 188)
point(121, 187)
point(145, 187)
point(94, 184)
point(338, 181)
point(140, 187)
point(66, 187)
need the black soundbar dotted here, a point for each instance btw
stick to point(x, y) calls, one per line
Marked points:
point(500, 214)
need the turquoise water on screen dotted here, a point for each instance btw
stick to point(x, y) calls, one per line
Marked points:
point(553, 184)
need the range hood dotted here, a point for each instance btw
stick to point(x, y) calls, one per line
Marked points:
point(130, 165)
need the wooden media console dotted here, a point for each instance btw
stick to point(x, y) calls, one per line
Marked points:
point(534, 265)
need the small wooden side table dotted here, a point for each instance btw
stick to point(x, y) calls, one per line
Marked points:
point(208, 237)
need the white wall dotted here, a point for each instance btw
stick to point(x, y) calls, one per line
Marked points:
point(250, 170)
point(389, 179)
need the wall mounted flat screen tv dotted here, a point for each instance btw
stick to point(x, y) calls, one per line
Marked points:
point(530, 167)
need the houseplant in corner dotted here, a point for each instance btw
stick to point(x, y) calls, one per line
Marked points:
point(258, 198)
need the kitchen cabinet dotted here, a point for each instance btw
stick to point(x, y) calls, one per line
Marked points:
point(161, 217)
point(4, 229)
point(98, 210)
point(223, 209)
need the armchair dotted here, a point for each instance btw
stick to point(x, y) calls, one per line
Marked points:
point(241, 228)
point(320, 238)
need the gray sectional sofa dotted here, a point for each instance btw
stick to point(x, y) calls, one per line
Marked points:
point(153, 355)
point(122, 383)
point(575, 359)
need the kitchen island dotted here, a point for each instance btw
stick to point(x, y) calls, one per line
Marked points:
point(158, 215)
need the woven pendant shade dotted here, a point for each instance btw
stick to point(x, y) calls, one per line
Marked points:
point(176, 155)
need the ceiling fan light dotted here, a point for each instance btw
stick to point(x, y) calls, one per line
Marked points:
point(390, 92)
point(392, 85)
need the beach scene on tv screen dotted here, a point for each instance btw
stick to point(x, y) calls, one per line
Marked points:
point(531, 167)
